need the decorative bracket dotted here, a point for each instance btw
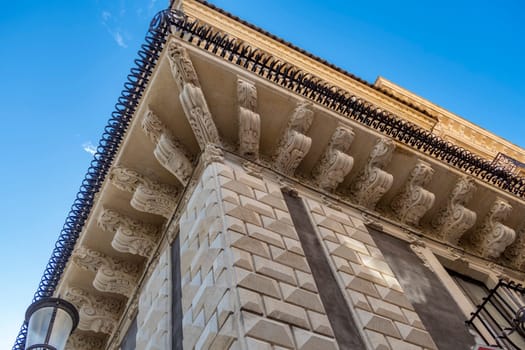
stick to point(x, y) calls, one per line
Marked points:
point(491, 239)
point(414, 201)
point(335, 163)
point(373, 182)
point(191, 96)
point(295, 144)
point(148, 196)
point(455, 219)
point(249, 119)
point(79, 341)
point(168, 151)
point(131, 236)
point(97, 313)
point(514, 254)
point(111, 275)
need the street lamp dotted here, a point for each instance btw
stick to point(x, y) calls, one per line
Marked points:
point(50, 322)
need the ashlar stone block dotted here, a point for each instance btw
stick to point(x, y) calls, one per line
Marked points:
point(310, 341)
point(267, 330)
point(257, 283)
point(285, 312)
point(301, 297)
point(274, 270)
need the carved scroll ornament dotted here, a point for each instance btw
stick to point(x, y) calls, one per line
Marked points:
point(514, 254)
point(191, 96)
point(111, 275)
point(414, 201)
point(373, 182)
point(491, 239)
point(335, 163)
point(98, 314)
point(168, 151)
point(249, 119)
point(148, 196)
point(455, 219)
point(294, 144)
point(131, 236)
point(84, 342)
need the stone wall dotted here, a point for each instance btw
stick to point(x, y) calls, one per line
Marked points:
point(153, 318)
point(246, 283)
point(374, 293)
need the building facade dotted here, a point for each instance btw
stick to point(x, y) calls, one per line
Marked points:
point(248, 195)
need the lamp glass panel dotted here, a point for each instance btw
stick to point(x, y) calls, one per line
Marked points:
point(38, 326)
point(61, 329)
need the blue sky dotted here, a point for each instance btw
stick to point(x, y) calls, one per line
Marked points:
point(64, 64)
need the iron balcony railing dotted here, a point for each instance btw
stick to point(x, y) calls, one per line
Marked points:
point(502, 315)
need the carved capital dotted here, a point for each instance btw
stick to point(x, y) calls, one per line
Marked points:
point(148, 196)
point(294, 144)
point(82, 341)
point(335, 163)
point(414, 201)
point(111, 275)
point(97, 313)
point(492, 237)
point(131, 236)
point(191, 96)
point(212, 154)
point(168, 151)
point(373, 182)
point(455, 219)
point(249, 119)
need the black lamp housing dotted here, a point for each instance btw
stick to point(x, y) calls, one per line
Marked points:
point(50, 321)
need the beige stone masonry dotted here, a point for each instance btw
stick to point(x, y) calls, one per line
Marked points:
point(153, 318)
point(243, 268)
point(384, 314)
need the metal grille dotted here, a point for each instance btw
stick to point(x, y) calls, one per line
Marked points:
point(497, 315)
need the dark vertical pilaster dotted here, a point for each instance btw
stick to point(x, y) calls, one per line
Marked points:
point(176, 302)
point(345, 330)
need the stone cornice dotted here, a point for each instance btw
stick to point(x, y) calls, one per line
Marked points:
point(468, 134)
point(205, 13)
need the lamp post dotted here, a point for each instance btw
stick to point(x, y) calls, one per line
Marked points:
point(50, 322)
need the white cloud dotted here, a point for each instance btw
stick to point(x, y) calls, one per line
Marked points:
point(119, 39)
point(89, 147)
point(106, 15)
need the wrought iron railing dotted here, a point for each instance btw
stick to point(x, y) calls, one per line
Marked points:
point(263, 64)
point(501, 314)
point(314, 88)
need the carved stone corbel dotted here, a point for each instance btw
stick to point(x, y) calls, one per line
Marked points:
point(97, 313)
point(249, 119)
point(335, 163)
point(191, 96)
point(131, 235)
point(111, 275)
point(148, 196)
point(373, 182)
point(492, 237)
point(82, 341)
point(168, 151)
point(414, 201)
point(294, 144)
point(455, 219)
point(514, 255)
